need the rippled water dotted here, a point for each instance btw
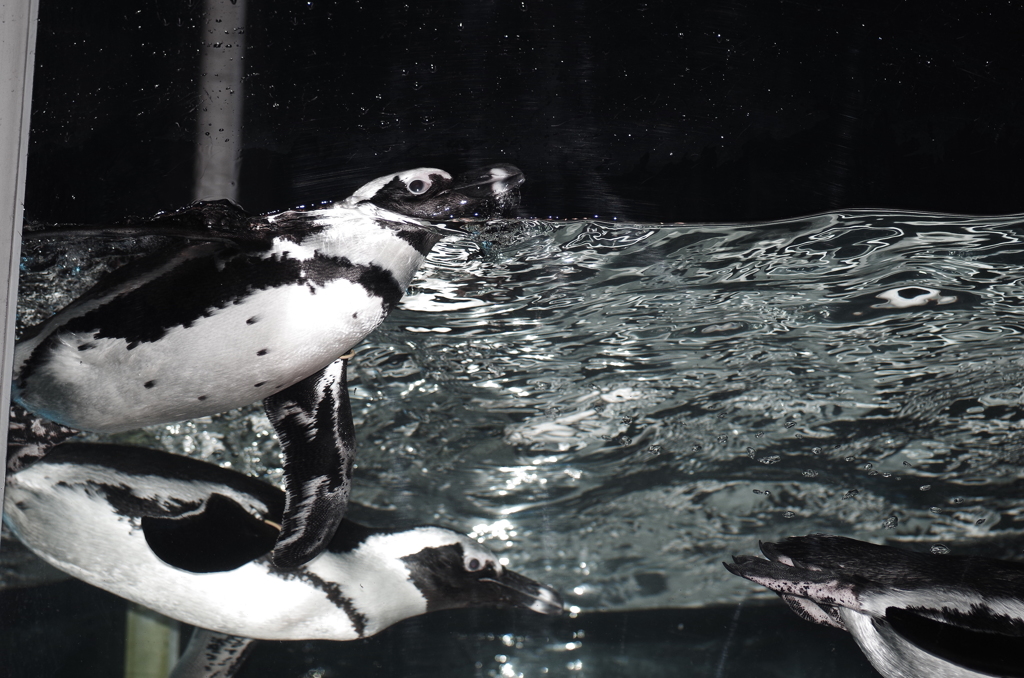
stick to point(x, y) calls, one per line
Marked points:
point(618, 408)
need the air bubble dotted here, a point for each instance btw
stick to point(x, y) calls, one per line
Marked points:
point(891, 522)
point(851, 494)
point(939, 549)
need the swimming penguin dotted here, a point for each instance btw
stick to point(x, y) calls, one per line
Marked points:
point(190, 540)
point(912, 614)
point(257, 308)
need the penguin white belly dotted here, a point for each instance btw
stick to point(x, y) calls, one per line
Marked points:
point(237, 355)
point(249, 601)
point(892, 655)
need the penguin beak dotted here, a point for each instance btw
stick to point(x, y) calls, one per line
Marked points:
point(511, 589)
point(497, 182)
point(478, 195)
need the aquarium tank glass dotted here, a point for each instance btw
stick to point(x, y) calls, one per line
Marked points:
point(764, 280)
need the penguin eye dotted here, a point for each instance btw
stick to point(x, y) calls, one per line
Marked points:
point(473, 565)
point(417, 186)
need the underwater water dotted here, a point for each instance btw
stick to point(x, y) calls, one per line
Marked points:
point(618, 408)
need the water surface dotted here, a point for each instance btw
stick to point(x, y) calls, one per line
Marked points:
point(618, 408)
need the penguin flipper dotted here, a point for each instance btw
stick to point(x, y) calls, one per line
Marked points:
point(218, 537)
point(212, 655)
point(990, 653)
point(313, 420)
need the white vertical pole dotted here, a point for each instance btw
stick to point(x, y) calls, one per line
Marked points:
point(219, 123)
point(150, 644)
point(17, 61)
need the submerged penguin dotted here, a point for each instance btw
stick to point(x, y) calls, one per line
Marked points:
point(912, 614)
point(257, 308)
point(191, 540)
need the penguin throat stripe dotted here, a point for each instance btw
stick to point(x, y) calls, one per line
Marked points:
point(330, 589)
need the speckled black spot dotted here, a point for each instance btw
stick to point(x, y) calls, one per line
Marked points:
point(202, 397)
point(86, 347)
point(262, 351)
point(355, 315)
point(258, 384)
point(150, 384)
point(210, 278)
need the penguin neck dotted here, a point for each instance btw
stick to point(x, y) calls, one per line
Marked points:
point(398, 245)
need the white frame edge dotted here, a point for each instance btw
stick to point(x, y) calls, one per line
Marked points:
point(17, 62)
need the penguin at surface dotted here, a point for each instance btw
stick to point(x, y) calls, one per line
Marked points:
point(190, 540)
point(254, 308)
point(914, 615)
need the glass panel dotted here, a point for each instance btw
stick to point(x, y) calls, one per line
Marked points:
point(653, 364)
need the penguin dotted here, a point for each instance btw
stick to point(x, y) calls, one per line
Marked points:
point(191, 540)
point(251, 308)
point(212, 655)
point(912, 614)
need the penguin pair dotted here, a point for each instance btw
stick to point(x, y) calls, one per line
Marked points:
point(192, 541)
point(914, 615)
point(252, 308)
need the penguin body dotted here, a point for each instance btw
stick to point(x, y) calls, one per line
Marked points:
point(260, 308)
point(218, 325)
point(191, 541)
point(912, 614)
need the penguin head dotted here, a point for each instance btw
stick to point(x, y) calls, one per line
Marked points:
point(432, 194)
point(452, 570)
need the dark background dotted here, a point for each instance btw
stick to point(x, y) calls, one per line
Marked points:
point(71, 630)
point(652, 111)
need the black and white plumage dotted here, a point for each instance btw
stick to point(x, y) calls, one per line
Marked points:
point(914, 615)
point(258, 308)
point(191, 541)
point(210, 654)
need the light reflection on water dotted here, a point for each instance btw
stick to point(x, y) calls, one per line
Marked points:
point(616, 409)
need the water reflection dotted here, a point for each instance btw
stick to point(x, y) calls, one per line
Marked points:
point(912, 614)
point(192, 541)
point(649, 399)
